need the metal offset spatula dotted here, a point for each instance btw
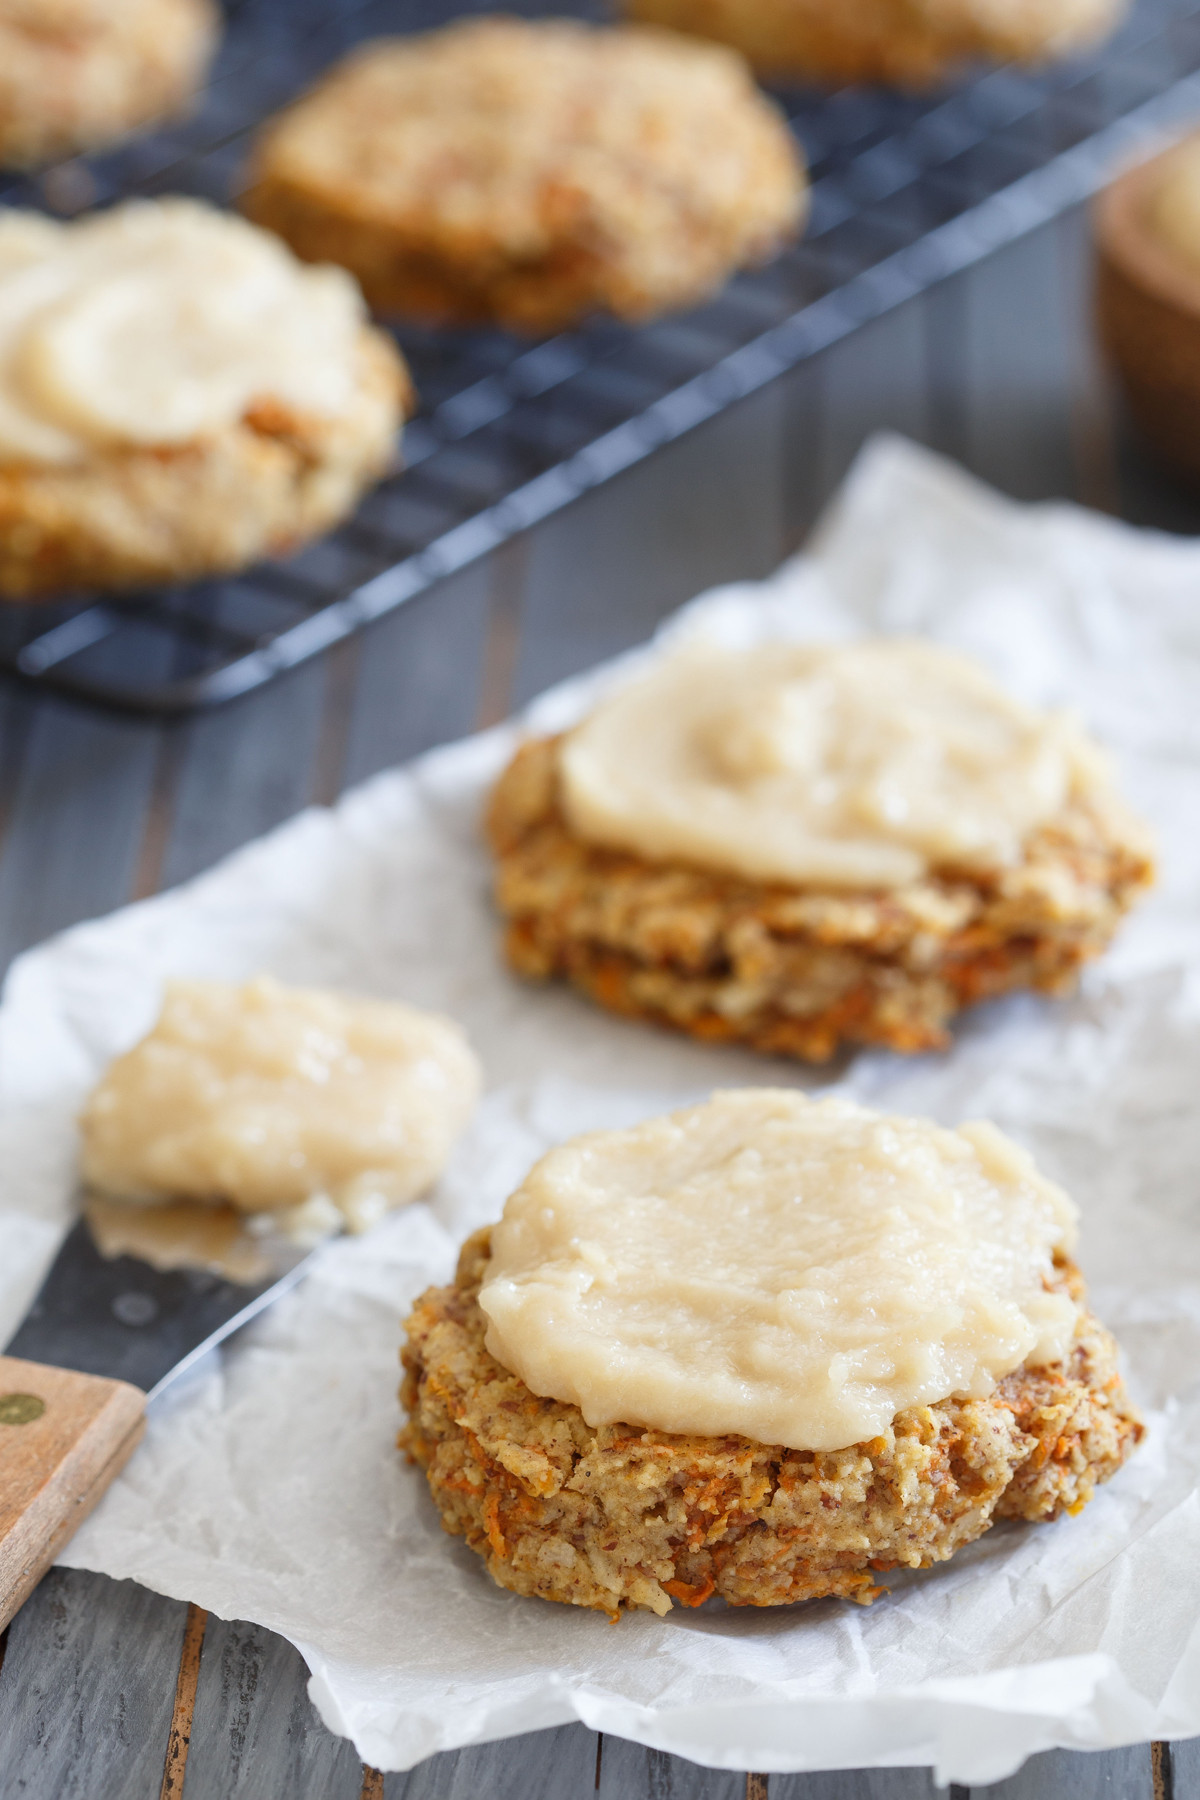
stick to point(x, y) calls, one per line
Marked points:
point(104, 1336)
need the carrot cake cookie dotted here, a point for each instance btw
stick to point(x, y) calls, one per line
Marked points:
point(804, 846)
point(908, 43)
point(530, 172)
point(178, 397)
point(768, 1348)
point(77, 74)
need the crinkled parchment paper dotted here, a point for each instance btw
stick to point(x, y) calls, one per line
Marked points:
point(268, 1488)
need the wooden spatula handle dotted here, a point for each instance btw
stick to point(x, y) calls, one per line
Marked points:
point(62, 1439)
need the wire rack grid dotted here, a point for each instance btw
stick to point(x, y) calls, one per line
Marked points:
point(906, 190)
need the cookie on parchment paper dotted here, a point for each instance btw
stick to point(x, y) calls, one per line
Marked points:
point(801, 848)
point(616, 1517)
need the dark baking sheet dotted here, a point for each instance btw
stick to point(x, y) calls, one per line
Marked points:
point(906, 190)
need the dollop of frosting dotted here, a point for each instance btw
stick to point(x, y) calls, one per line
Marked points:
point(794, 1271)
point(160, 322)
point(269, 1098)
point(859, 766)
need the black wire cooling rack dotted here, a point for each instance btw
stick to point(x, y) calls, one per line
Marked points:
point(905, 191)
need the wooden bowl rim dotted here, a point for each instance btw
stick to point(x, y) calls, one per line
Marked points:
point(1126, 239)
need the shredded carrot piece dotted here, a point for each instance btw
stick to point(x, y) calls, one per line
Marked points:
point(690, 1593)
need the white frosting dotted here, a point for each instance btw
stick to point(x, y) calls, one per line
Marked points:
point(858, 766)
point(791, 1270)
point(264, 1097)
point(158, 323)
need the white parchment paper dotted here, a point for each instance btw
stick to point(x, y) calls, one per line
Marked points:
point(268, 1487)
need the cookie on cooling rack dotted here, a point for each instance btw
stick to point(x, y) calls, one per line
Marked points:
point(768, 1348)
point(532, 172)
point(908, 43)
point(801, 847)
point(178, 397)
point(77, 74)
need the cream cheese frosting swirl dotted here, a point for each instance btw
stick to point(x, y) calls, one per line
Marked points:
point(794, 1271)
point(859, 766)
point(158, 323)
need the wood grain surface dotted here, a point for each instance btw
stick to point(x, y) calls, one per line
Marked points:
point(997, 368)
point(63, 1437)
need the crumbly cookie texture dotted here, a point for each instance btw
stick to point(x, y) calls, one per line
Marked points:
point(799, 972)
point(911, 43)
point(618, 1517)
point(532, 172)
point(131, 517)
point(77, 74)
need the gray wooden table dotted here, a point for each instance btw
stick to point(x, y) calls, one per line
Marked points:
point(108, 1692)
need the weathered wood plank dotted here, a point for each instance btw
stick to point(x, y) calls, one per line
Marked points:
point(604, 572)
point(87, 1689)
point(242, 770)
point(76, 821)
point(541, 1765)
point(858, 1784)
point(628, 1769)
point(878, 380)
point(1074, 1775)
point(16, 715)
point(419, 674)
point(255, 1733)
point(1092, 415)
point(179, 1737)
point(1182, 1771)
point(1016, 377)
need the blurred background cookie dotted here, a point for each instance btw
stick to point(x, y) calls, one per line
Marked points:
point(76, 74)
point(178, 397)
point(531, 173)
point(908, 42)
point(1148, 298)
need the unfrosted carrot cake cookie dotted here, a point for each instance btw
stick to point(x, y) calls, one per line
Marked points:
point(77, 74)
point(768, 1348)
point(532, 172)
point(272, 1099)
point(910, 43)
point(799, 847)
point(178, 397)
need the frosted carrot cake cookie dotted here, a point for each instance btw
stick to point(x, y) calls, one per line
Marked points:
point(530, 172)
point(77, 74)
point(276, 1100)
point(178, 397)
point(768, 1348)
point(910, 43)
point(798, 847)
